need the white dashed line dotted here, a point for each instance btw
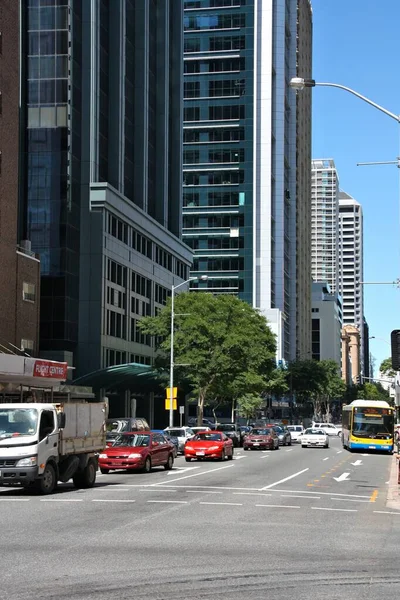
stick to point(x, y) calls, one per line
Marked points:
point(221, 503)
point(14, 499)
point(167, 501)
point(290, 450)
point(327, 458)
point(201, 492)
point(169, 481)
point(267, 487)
point(158, 490)
point(250, 494)
point(276, 506)
point(306, 497)
point(109, 500)
point(61, 500)
point(339, 452)
point(334, 509)
point(349, 500)
point(386, 512)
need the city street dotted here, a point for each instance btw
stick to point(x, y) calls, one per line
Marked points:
point(286, 522)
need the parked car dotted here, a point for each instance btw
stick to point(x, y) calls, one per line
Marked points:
point(192, 421)
point(244, 430)
point(283, 434)
point(199, 429)
point(135, 451)
point(122, 424)
point(313, 437)
point(182, 433)
point(261, 439)
point(232, 430)
point(209, 444)
point(329, 428)
point(295, 432)
point(172, 439)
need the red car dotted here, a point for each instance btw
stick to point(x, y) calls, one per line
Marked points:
point(261, 438)
point(137, 451)
point(209, 444)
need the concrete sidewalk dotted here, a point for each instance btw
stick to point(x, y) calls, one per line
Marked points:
point(393, 495)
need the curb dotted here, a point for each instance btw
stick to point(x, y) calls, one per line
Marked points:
point(393, 495)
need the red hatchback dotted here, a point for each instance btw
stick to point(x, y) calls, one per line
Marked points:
point(137, 451)
point(209, 444)
point(261, 438)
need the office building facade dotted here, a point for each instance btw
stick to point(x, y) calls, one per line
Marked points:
point(351, 272)
point(326, 324)
point(325, 222)
point(19, 266)
point(101, 190)
point(241, 196)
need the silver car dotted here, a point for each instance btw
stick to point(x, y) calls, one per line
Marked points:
point(183, 434)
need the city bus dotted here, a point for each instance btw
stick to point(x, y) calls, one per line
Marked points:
point(368, 425)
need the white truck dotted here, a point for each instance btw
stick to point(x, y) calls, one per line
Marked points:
point(41, 444)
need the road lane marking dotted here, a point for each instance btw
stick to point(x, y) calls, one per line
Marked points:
point(350, 500)
point(339, 452)
point(239, 457)
point(250, 494)
point(243, 489)
point(112, 500)
point(201, 492)
point(167, 502)
point(158, 490)
point(193, 475)
point(386, 512)
point(298, 496)
point(267, 487)
point(61, 500)
point(334, 509)
point(291, 450)
point(276, 506)
point(357, 463)
point(342, 477)
point(327, 458)
point(222, 503)
point(14, 499)
point(374, 496)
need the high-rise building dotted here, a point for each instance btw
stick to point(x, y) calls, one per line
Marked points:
point(101, 90)
point(326, 324)
point(19, 266)
point(351, 265)
point(246, 150)
point(325, 222)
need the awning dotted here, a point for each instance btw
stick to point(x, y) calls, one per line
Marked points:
point(134, 376)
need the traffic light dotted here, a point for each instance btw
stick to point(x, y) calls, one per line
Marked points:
point(395, 343)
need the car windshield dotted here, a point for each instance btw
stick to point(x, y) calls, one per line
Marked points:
point(138, 439)
point(295, 428)
point(18, 421)
point(227, 427)
point(207, 436)
point(176, 432)
point(260, 432)
point(278, 429)
point(314, 432)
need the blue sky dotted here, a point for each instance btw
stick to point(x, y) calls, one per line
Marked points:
point(357, 44)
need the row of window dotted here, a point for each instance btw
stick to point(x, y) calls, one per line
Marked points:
point(217, 65)
point(213, 21)
point(215, 44)
point(116, 357)
point(116, 326)
point(215, 113)
point(219, 264)
point(196, 221)
point(223, 243)
point(216, 88)
point(214, 178)
point(223, 134)
point(236, 155)
point(140, 285)
point(47, 43)
point(139, 242)
point(192, 198)
point(47, 18)
point(191, 4)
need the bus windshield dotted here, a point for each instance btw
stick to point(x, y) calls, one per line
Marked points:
point(373, 422)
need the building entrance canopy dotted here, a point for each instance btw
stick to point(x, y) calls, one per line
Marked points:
point(142, 378)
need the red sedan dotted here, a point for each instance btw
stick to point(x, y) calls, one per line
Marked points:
point(261, 438)
point(137, 451)
point(209, 444)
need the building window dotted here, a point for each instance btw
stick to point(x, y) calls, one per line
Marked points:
point(27, 345)
point(29, 292)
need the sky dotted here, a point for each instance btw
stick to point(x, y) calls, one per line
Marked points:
point(357, 44)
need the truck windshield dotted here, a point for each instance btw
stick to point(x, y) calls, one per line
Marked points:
point(18, 421)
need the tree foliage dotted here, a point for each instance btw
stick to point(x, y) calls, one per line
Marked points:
point(372, 391)
point(249, 404)
point(386, 368)
point(225, 345)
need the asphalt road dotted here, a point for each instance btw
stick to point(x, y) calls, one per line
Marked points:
point(301, 523)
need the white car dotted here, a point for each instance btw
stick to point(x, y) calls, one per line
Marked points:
point(314, 438)
point(329, 428)
point(198, 429)
point(182, 433)
point(295, 432)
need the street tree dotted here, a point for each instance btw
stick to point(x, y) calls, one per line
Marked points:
point(248, 405)
point(222, 343)
point(386, 368)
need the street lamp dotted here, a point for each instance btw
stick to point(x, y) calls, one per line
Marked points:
point(299, 83)
point(171, 364)
point(374, 337)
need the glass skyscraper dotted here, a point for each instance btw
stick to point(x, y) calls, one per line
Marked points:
point(101, 191)
point(246, 192)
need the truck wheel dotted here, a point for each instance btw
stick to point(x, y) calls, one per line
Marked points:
point(86, 478)
point(48, 481)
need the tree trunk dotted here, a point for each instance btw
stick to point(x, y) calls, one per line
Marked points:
point(200, 409)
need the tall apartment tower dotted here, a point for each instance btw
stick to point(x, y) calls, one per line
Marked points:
point(325, 222)
point(351, 265)
point(246, 149)
point(19, 266)
point(101, 179)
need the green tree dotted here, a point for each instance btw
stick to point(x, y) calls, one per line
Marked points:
point(373, 391)
point(223, 343)
point(249, 404)
point(332, 386)
point(386, 368)
point(277, 384)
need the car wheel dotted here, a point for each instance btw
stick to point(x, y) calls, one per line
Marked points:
point(147, 465)
point(230, 457)
point(290, 443)
point(245, 448)
point(277, 446)
point(188, 459)
point(223, 455)
point(326, 446)
point(170, 463)
point(104, 471)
